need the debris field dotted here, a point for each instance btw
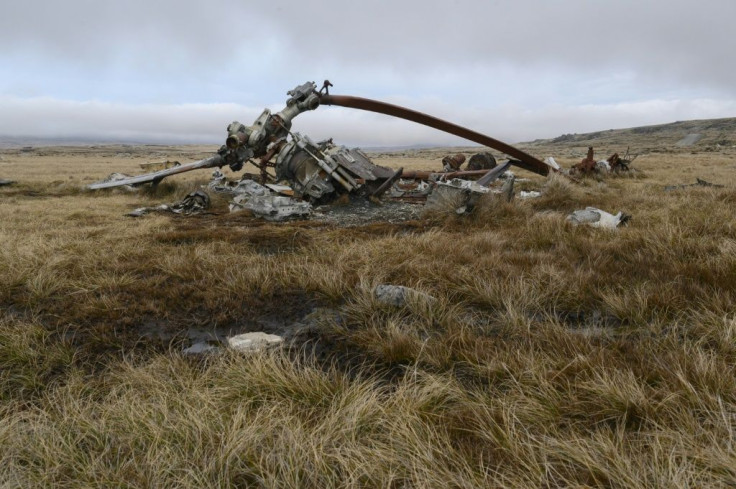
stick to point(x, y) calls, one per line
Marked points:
point(459, 318)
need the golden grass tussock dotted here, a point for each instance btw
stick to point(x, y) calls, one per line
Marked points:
point(550, 355)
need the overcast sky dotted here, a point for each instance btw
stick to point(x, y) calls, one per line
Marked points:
point(180, 71)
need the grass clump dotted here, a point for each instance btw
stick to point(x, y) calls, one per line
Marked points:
point(550, 356)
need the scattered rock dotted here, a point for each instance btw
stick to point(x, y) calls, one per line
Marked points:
point(398, 295)
point(598, 218)
point(253, 341)
point(4, 183)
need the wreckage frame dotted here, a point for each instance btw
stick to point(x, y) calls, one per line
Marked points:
point(308, 173)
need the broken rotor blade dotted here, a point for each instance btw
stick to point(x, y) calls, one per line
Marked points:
point(156, 177)
point(525, 160)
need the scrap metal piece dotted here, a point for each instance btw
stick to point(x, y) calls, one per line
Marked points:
point(482, 161)
point(552, 163)
point(156, 177)
point(358, 163)
point(281, 189)
point(587, 165)
point(388, 183)
point(524, 160)
point(194, 203)
point(597, 218)
point(431, 175)
point(303, 163)
point(463, 195)
point(271, 207)
point(507, 190)
point(250, 188)
point(493, 174)
point(453, 163)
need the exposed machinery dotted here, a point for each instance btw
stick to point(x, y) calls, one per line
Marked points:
point(318, 170)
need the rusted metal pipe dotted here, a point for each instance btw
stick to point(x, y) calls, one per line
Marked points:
point(525, 161)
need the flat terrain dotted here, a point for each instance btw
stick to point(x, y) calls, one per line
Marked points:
point(554, 356)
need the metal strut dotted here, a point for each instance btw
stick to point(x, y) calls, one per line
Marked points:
point(525, 160)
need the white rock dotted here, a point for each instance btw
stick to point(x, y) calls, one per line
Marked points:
point(253, 341)
point(532, 194)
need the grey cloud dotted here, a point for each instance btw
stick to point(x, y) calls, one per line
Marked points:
point(666, 40)
point(517, 69)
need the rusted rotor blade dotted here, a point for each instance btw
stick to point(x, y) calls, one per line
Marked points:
point(161, 174)
point(528, 162)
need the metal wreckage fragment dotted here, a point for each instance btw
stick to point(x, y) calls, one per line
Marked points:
point(320, 172)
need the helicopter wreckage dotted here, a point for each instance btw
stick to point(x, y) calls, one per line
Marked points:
point(296, 173)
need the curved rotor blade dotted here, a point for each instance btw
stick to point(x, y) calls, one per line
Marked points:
point(526, 161)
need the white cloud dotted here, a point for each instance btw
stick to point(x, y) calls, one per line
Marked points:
point(517, 69)
point(206, 123)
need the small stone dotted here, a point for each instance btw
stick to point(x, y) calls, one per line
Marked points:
point(253, 341)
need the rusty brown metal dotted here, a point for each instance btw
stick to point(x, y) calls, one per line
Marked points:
point(235, 140)
point(482, 161)
point(587, 164)
point(453, 162)
point(525, 160)
point(614, 162)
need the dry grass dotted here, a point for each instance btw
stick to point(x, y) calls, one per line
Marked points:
point(554, 356)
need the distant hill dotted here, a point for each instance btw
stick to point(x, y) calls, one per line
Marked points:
point(698, 135)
